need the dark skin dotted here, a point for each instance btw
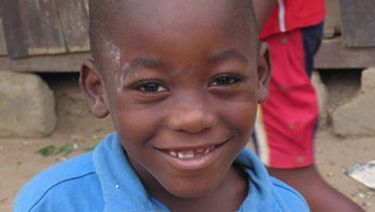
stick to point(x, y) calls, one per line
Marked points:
point(263, 9)
point(319, 195)
point(178, 76)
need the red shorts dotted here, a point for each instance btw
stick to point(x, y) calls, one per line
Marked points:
point(286, 122)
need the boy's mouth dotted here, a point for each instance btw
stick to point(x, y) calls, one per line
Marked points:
point(186, 153)
point(193, 157)
point(192, 153)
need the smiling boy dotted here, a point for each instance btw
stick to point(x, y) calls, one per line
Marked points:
point(181, 81)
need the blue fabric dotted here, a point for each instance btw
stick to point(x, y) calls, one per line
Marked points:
point(104, 181)
point(312, 37)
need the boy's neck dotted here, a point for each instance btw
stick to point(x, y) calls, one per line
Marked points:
point(227, 197)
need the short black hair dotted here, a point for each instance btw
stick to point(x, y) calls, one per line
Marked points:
point(103, 11)
point(100, 12)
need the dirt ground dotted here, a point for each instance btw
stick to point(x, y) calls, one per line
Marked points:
point(19, 160)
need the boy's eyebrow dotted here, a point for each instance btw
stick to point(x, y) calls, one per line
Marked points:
point(145, 62)
point(226, 55)
point(154, 63)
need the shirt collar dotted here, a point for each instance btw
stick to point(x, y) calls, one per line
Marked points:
point(123, 190)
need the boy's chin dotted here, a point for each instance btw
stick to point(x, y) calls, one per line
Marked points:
point(192, 190)
point(191, 193)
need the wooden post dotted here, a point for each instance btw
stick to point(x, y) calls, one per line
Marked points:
point(13, 31)
point(358, 23)
point(3, 50)
point(31, 27)
point(42, 27)
point(74, 21)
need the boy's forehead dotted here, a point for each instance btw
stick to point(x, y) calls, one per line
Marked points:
point(169, 12)
point(178, 15)
point(136, 26)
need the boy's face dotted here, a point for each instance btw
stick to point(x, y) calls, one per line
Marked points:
point(181, 82)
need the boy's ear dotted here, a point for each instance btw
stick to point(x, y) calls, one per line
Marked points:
point(264, 72)
point(92, 86)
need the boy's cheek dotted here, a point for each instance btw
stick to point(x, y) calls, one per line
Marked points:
point(243, 116)
point(135, 124)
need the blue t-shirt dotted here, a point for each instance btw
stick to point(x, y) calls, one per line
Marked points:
point(104, 181)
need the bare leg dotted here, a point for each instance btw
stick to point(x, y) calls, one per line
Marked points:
point(319, 195)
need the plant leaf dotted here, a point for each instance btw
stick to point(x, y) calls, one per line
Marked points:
point(66, 149)
point(47, 150)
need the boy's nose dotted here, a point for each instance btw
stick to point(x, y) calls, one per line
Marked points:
point(193, 117)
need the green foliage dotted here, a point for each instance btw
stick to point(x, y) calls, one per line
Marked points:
point(95, 140)
point(47, 151)
point(67, 149)
point(64, 150)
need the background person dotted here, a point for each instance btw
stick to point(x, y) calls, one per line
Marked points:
point(287, 121)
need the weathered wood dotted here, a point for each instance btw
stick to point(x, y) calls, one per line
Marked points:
point(3, 50)
point(333, 55)
point(13, 30)
point(332, 22)
point(86, 3)
point(41, 25)
point(358, 23)
point(47, 63)
point(74, 21)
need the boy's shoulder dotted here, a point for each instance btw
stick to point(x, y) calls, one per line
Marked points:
point(292, 199)
point(73, 180)
point(267, 193)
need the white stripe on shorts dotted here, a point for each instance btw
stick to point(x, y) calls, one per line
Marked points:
point(261, 138)
point(282, 15)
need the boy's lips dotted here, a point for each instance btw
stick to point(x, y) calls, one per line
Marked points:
point(190, 158)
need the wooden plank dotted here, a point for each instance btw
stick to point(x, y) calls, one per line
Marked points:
point(332, 22)
point(333, 55)
point(13, 30)
point(46, 63)
point(358, 23)
point(3, 48)
point(86, 3)
point(41, 26)
point(74, 21)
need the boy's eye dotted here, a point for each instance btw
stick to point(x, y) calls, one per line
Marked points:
point(225, 80)
point(150, 87)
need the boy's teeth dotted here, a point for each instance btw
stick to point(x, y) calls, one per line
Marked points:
point(185, 155)
point(199, 151)
point(207, 150)
point(188, 154)
point(173, 153)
